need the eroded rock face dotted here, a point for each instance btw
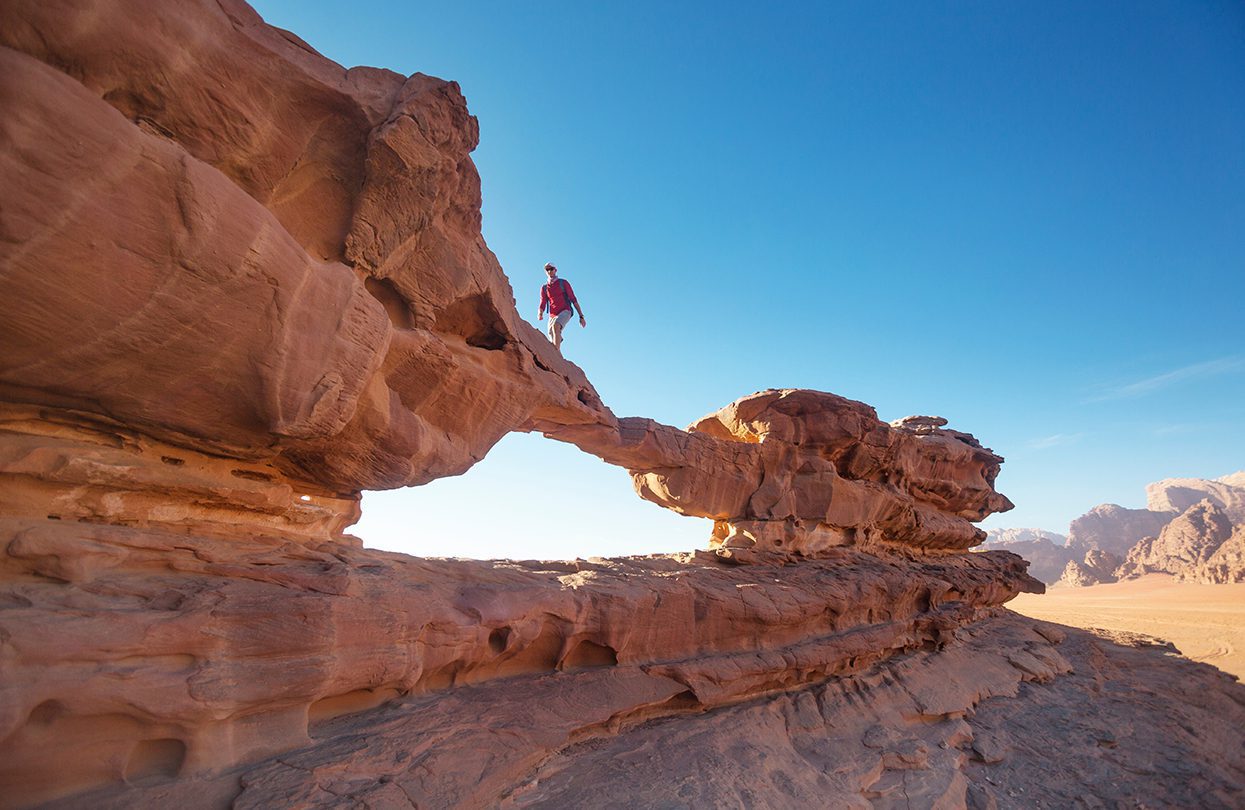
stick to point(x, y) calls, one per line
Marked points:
point(238, 285)
point(802, 471)
point(125, 641)
point(256, 253)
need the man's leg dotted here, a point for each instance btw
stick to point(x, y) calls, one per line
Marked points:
point(555, 327)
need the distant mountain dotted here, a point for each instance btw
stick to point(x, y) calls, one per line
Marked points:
point(1115, 529)
point(1187, 546)
point(1192, 528)
point(1004, 537)
point(1178, 494)
point(1045, 550)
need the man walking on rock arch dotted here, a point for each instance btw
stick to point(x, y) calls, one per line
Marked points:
point(558, 297)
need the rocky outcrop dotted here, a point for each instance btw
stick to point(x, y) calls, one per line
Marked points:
point(1049, 717)
point(802, 471)
point(150, 653)
point(1133, 533)
point(1097, 568)
point(1185, 545)
point(1227, 563)
point(1201, 544)
point(240, 284)
point(291, 250)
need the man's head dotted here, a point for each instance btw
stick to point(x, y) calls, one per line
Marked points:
point(550, 270)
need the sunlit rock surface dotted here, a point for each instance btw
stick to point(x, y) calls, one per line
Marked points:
point(1193, 530)
point(240, 284)
point(802, 471)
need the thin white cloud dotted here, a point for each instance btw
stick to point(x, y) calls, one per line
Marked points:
point(1196, 371)
point(1053, 440)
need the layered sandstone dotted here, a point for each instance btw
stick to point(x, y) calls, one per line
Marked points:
point(803, 471)
point(240, 284)
point(257, 253)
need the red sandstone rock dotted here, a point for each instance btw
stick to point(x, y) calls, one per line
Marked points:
point(292, 249)
point(238, 285)
point(804, 471)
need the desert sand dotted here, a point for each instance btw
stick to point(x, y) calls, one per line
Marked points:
point(1205, 622)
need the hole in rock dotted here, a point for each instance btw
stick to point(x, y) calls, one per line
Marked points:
point(151, 760)
point(536, 656)
point(590, 654)
point(396, 307)
point(683, 701)
point(498, 638)
point(476, 320)
point(251, 475)
point(335, 706)
point(46, 712)
point(530, 498)
point(173, 460)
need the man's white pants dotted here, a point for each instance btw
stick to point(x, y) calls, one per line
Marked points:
point(556, 322)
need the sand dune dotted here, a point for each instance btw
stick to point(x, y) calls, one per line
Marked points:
point(1205, 622)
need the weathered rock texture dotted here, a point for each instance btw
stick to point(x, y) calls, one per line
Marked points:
point(240, 284)
point(215, 236)
point(802, 471)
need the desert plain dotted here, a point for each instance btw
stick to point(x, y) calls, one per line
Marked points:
point(1205, 622)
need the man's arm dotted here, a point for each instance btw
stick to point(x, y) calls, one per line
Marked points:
point(544, 298)
point(574, 302)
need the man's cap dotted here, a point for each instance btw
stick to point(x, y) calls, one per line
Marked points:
point(549, 266)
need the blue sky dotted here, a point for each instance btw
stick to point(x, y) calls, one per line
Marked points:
point(1026, 217)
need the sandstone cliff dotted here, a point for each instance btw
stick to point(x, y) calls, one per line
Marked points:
point(240, 284)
